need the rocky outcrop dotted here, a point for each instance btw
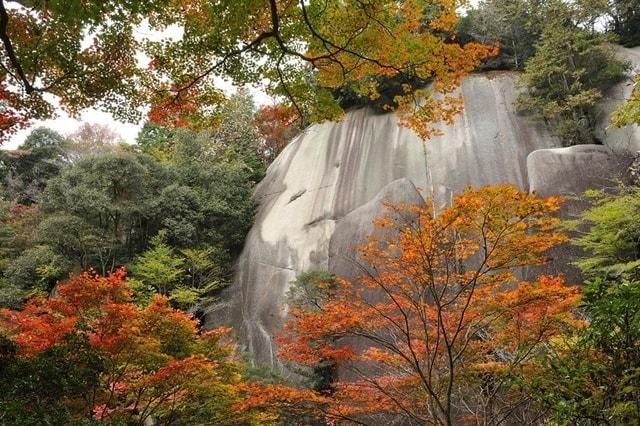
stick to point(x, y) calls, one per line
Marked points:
point(326, 173)
point(335, 168)
point(321, 194)
point(568, 172)
point(625, 139)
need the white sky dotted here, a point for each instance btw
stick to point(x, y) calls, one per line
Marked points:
point(65, 125)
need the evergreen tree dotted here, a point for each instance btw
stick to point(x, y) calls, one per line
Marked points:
point(567, 75)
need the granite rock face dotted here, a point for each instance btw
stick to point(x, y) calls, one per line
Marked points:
point(321, 194)
point(334, 168)
point(326, 173)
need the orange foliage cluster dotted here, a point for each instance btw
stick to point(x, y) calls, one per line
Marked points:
point(408, 47)
point(276, 126)
point(439, 311)
point(302, 48)
point(273, 401)
point(11, 119)
point(158, 361)
point(173, 109)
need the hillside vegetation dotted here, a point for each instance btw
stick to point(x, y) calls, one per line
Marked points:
point(112, 253)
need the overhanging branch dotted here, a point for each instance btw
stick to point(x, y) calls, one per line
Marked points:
point(11, 54)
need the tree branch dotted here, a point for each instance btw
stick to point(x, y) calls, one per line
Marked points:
point(11, 54)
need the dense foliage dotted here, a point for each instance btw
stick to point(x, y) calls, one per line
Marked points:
point(303, 50)
point(514, 24)
point(568, 61)
point(89, 355)
point(568, 74)
point(517, 25)
point(622, 18)
point(591, 376)
point(126, 362)
point(436, 330)
point(26, 170)
point(614, 234)
point(76, 203)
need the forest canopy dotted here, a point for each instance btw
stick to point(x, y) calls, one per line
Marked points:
point(302, 50)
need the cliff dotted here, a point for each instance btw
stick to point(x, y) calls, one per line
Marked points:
point(320, 195)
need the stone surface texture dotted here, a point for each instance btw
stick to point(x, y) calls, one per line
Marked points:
point(355, 228)
point(321, 194)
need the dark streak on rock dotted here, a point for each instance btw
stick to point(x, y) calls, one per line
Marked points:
point(296, 195)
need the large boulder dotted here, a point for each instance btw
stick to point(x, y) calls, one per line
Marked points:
point(308, 196)
point(568, 172)
point(334, 168)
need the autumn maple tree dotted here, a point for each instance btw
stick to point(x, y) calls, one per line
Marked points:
point(137, 364)
point(84, 53)
point(437, 327)
point(276, 125)
point(44, 50)
point(306, 51)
